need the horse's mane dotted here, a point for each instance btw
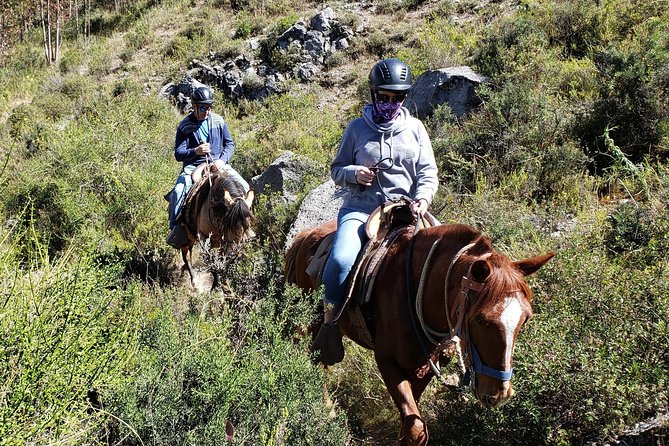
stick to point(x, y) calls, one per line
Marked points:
point(504, 279)
point(220, 182)
point(239, 213)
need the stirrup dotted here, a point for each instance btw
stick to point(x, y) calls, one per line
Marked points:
point(328, 346)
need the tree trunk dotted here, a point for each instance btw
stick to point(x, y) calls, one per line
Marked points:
point(50, 36)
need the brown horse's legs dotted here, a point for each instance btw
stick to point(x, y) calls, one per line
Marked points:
point(187, 255)
point(413, 431)
point(214, 282)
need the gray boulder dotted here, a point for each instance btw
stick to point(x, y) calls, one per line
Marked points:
point(320, 205)
point(454, 86)
point(322, 20)
point(287, 175)
point(181, 92)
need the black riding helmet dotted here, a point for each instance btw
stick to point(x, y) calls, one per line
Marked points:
point(391, 75)
point(203, 95)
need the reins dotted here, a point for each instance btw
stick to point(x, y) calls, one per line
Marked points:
point(458, 332)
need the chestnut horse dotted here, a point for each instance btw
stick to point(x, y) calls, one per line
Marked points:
point(217, 209)
point(468, 293)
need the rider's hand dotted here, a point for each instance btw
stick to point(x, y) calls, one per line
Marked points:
point(418, 208)
point(364, 176)
point(203, 149)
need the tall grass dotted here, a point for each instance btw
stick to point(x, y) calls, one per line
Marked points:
point(67, 330)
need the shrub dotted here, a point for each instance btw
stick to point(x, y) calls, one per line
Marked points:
point(100, 57)
point(247, 25)
point(136, 39)
point(66, 331)
point(519, 129)
point(279, 124)
point(630, 228)
point(439, 43)
point(226, 360)
point(71, 59)
point(21, 121)
point(45, 213)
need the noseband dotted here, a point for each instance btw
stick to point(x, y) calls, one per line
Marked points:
point(459, 333)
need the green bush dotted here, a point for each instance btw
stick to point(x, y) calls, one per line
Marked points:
point(289, 121)
point(22, 121)
point(247, 25)
point(137, 38)
point(630, 228)
point(71, 59)
point(66, 332)
point(226, 360)
point(45, 213)
point(100, 57)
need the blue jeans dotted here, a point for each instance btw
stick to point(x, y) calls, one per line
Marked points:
point(180, 191)
point(184, 184)
point(348, 242)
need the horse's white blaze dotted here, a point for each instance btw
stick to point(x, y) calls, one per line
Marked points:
point(510, 318)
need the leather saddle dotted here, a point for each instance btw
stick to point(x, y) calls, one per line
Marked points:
point(383, 227)
point(200, 173)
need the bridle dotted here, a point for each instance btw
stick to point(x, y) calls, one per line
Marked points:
point(458, 333)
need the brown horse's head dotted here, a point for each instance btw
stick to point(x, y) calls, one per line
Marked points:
point(497, 311)
point(230, 208)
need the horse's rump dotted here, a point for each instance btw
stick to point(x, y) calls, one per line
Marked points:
point(302, 251)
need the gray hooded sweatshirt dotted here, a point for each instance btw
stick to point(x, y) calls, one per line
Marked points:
point(412, 173)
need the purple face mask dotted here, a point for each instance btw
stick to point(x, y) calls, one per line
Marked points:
point(386, 111)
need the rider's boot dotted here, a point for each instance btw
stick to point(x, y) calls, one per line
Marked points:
point(328, 346)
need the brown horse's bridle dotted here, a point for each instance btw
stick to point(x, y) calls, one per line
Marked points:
point(458, 333)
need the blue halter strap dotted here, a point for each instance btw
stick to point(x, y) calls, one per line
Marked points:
point(480, 368)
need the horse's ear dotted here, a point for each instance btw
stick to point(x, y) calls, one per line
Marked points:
point(480, 270)
point(531, 265)
point(227, 198)
point(250, 195)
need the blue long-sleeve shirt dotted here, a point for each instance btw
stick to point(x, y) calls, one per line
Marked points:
point(187, 139)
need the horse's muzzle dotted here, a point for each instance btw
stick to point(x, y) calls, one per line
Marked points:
point(497, 399)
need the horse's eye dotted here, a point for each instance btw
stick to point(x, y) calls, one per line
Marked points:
point(479, 319)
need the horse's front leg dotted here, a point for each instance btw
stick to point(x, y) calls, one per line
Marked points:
point(187, 255)
point(413, 431)
point(215, 280)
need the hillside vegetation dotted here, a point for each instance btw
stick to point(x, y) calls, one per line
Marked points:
point(102, 341)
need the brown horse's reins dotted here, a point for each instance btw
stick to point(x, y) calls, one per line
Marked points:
point(458, 332)
point(207, 157)
point(452, 335)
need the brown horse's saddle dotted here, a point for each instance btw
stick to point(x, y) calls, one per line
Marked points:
point(383, 228)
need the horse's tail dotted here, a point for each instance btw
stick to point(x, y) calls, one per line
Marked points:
point(290, 265)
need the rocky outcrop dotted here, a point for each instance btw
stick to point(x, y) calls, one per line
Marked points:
point(299, 53)
point(286, 175)
point(454, 86)
point(320, 205)
point(180, 93)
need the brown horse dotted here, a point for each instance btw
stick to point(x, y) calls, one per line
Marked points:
point(217, 209)
point(468, 294)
